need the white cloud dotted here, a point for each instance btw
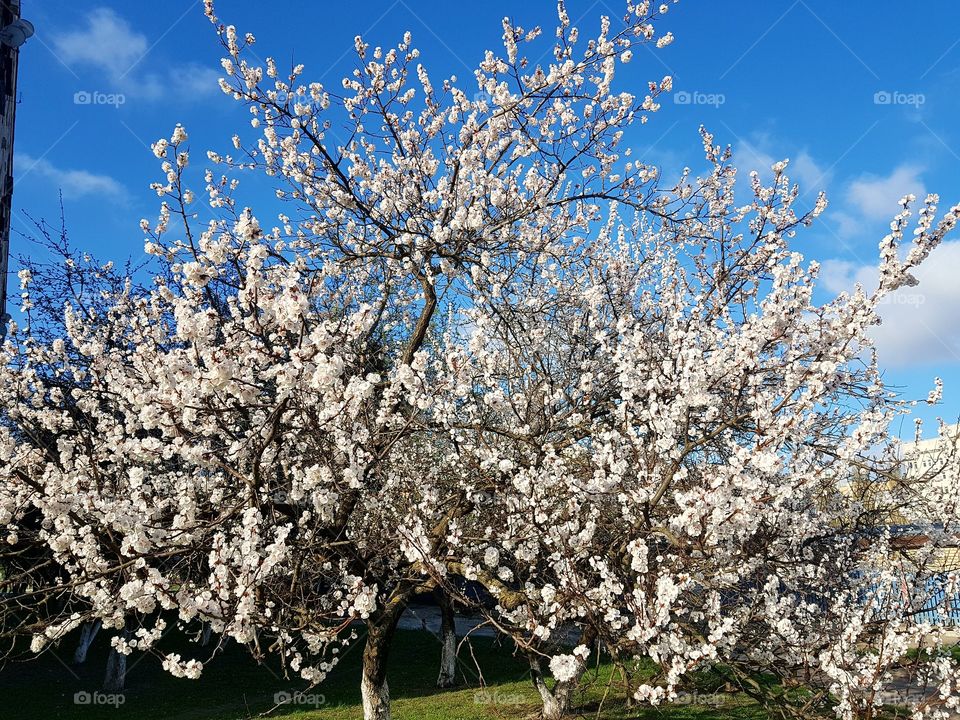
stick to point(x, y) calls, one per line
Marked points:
point(194, 79)
point(919, 323)
point(74, 183)
point(808, 173)
point(750, 157)
point(803, 169)
point(108, 42)
point(110, 45)
point(876, 197)
point(838, 276)
point(847, 224)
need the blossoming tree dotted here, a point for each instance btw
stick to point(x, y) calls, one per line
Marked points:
point(481, 342)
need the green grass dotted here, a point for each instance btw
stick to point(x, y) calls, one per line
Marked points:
point(235, 687)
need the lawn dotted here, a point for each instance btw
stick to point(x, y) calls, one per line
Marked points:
point(234, 687)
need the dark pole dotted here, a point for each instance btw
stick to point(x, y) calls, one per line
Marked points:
point(13, 33)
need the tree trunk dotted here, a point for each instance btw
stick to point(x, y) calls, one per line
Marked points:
point(116, 675)
point(448, 641)
point(87, 633)
point(373, 685)
point(205, 637)
point(557, 701)
point(624, 670)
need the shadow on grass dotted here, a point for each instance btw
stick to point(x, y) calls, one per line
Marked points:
point(234, 686)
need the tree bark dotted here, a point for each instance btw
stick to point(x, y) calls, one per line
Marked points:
point(87, 633)
point(374, 690)
point(116, 675)
point(557, 701)
point(448, 641)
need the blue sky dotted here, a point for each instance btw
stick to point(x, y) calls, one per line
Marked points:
point(861, 97)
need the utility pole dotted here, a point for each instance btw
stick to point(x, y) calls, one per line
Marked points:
point(14, 31)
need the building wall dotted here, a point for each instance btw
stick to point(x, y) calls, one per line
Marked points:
point(921, 458)
point(9, 11)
